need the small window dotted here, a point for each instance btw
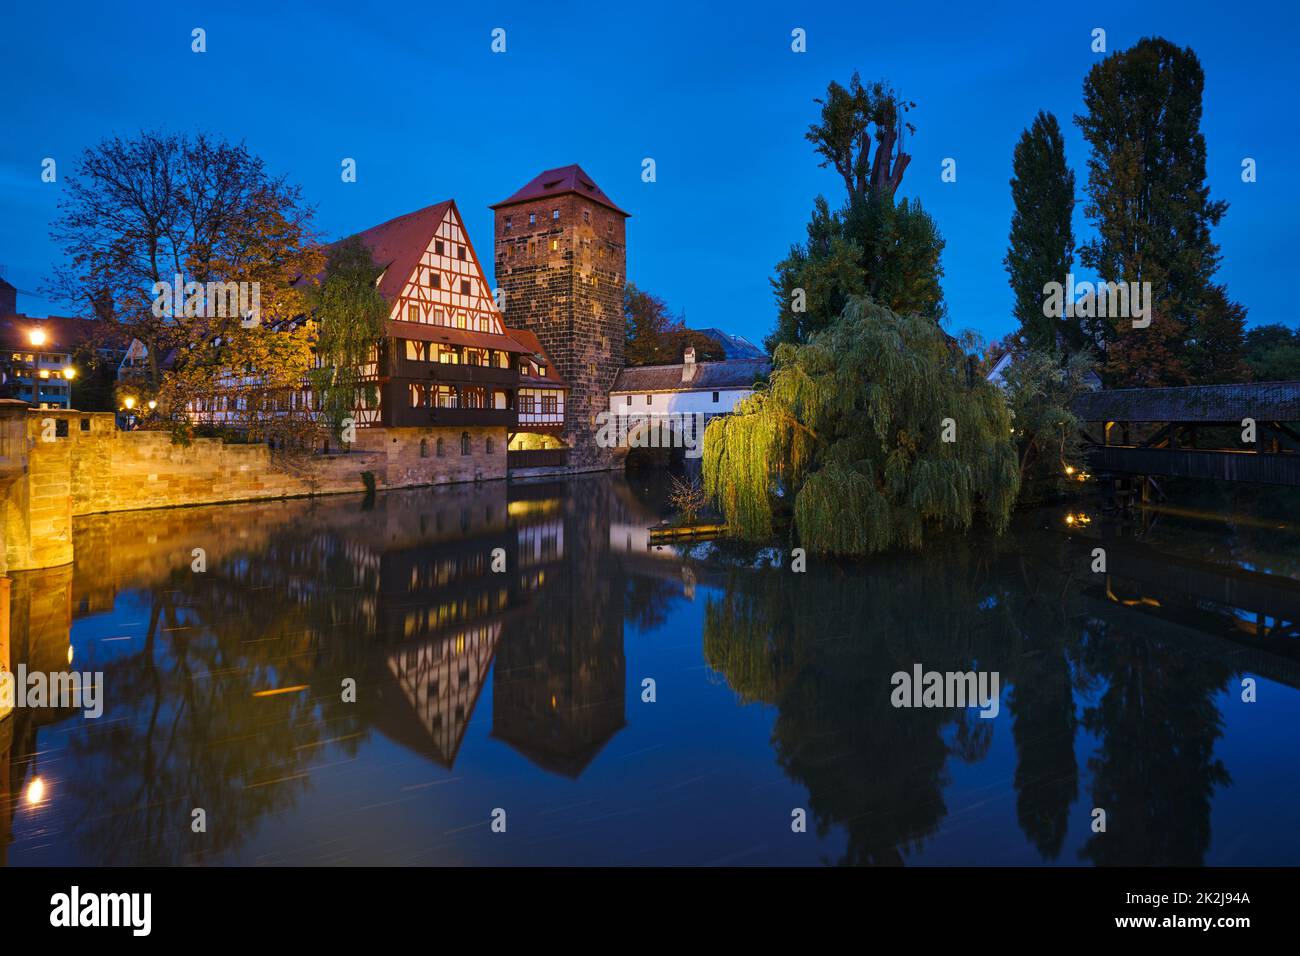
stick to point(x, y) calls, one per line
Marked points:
point(85, 424)
point(508, 223)
point(555, 244)
point(413, 313)
point(61, 428)
point(715, 396)
point(460, 252)
point(586, 215)
point(424, 448)
point(464, 287)
point(490, 446)
point(435, 280)
point(441, 451)
point(555, 215)
point(437, 247)
point(464, 443)
point(649, 399)
point(532, 219)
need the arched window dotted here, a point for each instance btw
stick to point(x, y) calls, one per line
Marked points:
point(441, 451)
point(464, 443)
point(424, 448)
point(490, 447)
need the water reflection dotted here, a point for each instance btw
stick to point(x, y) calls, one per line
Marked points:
point(226, 688)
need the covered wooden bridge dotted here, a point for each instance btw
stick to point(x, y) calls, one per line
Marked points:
point(1198, 431)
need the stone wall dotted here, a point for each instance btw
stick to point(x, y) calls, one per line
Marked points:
point(78, 463)
point(571, 297)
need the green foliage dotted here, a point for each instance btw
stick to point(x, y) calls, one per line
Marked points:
point(1273, 353)
point(849, 436)
point(873, 244)
point(1040, 390)
point(1148, 197)
point(1042, 239)
point(350, 314)
point(887, 249)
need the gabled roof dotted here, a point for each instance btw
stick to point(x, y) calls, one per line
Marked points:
point(735, 373)
point(559, 182)
point(534, 345)
point(398, 245)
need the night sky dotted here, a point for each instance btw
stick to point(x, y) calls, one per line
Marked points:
point(414, 93)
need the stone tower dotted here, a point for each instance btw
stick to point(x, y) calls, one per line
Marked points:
point(561, 260)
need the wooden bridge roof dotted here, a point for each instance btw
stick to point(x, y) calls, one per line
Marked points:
point(1262, 401)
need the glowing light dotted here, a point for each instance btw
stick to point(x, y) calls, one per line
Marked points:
point(35, 791)
point(69, 373)
point(1069, 469)
point(152, 404)
point(69, 653)
point(280, 690)
point(129, 402)
point(36, 337)
point(1078, 519)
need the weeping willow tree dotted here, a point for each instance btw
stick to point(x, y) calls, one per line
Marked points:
point(350, 316)
point(868, 434)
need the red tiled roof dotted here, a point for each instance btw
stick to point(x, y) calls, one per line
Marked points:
point(534, 345)
point(398, 245)
point(421, 332)
point(558, 182)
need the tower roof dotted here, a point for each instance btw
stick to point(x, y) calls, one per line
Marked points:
point(558, 182)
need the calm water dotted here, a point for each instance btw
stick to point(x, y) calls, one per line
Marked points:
point(523, 691)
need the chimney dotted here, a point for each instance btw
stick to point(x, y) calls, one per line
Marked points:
point(688, 364)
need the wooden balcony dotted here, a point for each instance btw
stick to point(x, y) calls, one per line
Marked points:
point(413, 370)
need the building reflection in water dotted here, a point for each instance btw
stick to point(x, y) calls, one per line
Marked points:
point(223, 686)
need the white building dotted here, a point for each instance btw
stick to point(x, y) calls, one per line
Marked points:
point(708, 388)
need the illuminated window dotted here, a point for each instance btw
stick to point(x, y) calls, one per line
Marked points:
point(413, 313)
point(555, 215)
point(532, 219)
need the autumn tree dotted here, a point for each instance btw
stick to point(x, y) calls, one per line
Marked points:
point(871, 436)
point(138, 211)
point(871, 244)
point(1149, 201)
point(1041, 249)
point(655, 337)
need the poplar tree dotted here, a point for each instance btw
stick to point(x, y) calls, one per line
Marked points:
point(870, 435)
point(1041, 249)
point(1147, 193)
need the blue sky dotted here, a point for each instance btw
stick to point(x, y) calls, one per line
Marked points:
point(715, 96)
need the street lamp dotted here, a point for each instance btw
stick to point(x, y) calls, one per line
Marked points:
point(69, 373)
point(36, 337)
point(129, 402)
point(152, 404)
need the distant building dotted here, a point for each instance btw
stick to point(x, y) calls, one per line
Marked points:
point(36, 354)
point(733, 346)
